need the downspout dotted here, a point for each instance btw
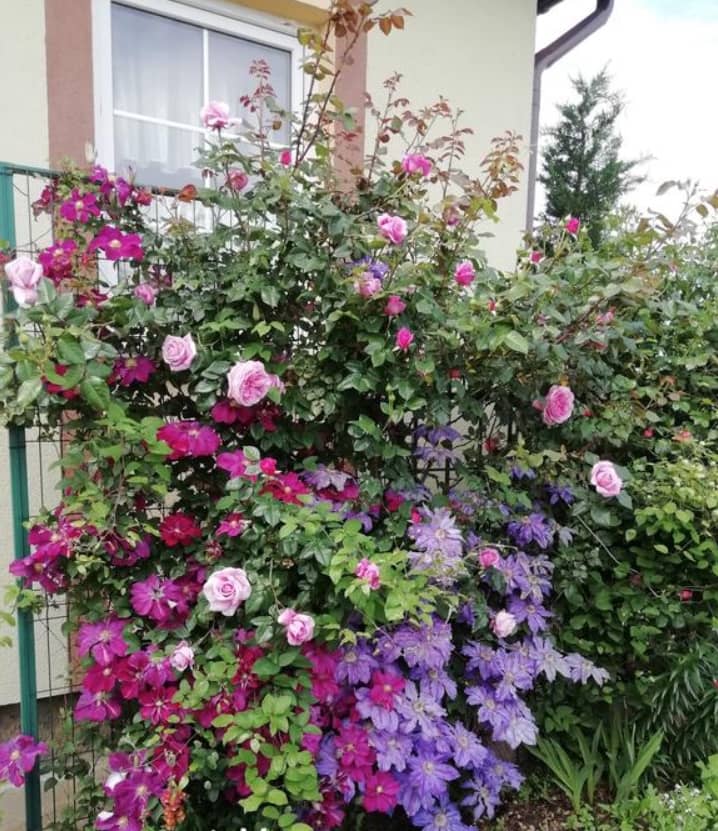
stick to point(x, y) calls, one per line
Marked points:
point(548, 56)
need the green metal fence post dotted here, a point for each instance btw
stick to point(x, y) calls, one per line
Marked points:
point(21, 513)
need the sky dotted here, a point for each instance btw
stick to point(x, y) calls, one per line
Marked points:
point(662, 55)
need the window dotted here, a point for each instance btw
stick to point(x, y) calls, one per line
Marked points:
point(157, 62)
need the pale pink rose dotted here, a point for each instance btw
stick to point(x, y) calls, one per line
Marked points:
point(226, 589)
point(298, 628)
point(248, 382)
point(558, 405)
point(146, 293)
point(573, 225)
point(416, 163)
point(237, 180)
point(605, 479)
point(394, 306)
point(392, 228)
point(215, 115)
point(488, 557)
point(369, 572)
point(24, 276)
point(404, 338)
point(535, 257)
point(285, 158)
point(182, 657)
point(464, 273)
point(367, 285)
point(178, 353)
point(504, 624)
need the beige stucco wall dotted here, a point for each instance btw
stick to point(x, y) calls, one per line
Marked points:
point(23, 83)
point(479, 55)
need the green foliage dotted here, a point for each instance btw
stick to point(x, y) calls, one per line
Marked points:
point(572, 776)
point(614, 757)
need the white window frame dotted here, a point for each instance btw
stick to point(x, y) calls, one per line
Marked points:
point(218, 15)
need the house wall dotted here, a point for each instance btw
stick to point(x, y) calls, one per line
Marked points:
point(477, 53)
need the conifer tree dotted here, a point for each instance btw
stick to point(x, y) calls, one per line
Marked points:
point(582, 171)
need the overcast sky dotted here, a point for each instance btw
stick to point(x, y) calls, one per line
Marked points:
point(663, 54)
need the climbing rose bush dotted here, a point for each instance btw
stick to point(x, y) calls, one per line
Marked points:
point(303, 586)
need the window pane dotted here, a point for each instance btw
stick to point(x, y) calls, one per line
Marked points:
point(229, 78)
point(158, 155)
point(156, 65)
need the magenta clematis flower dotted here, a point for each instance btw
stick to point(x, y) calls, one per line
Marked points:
point(179, 529)
point(99, 679)
point(156, 705)
point(17, 757)
point(116, 245)
point(101, 706)
point(381, 792)
point(189, 439)
point(133, 370)
point(234, 463)
point(118, 821)
point(103, 640)
point(155, 598)
point(233, 525)
point(79, 207)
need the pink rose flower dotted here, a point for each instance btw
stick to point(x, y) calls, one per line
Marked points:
point(178, 353)
point(285, 158)
point(298, 628)
point(226, 590)
point(394, 306)
point(182, 657)
point(558, 405)
point(488, 557)
point(607, 317)
point(404, 338)
point(504, 624)
point(215, 115)
point(369, 572)
point(416, 163)
point(535, 257)
point(605, 479)
point(464, 273)
point(237, 180)
point(146, 293)
point(573, 225)
point(24, 276)
point(248, 382)
point(392, 228)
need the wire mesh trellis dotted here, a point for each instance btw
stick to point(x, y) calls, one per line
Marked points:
point(46, 687)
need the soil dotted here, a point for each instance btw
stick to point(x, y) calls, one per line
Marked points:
point(533, 816)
